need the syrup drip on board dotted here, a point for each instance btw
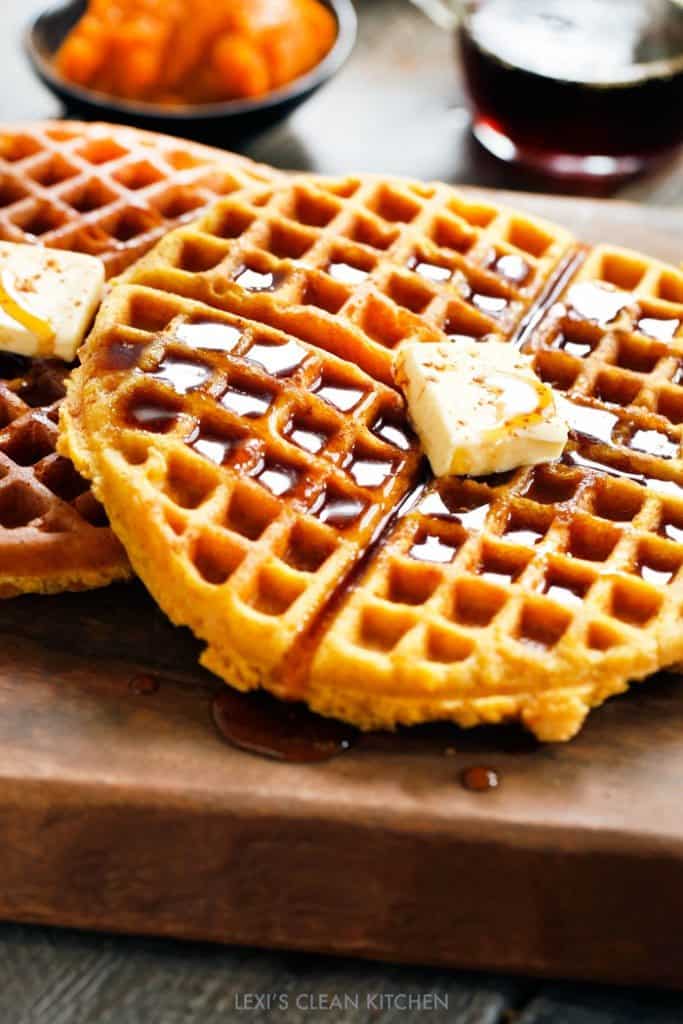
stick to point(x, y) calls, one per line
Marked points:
point(263, 725)
point(143, 685)
point(480, 779)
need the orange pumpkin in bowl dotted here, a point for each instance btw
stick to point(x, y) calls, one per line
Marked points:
point(179, 52)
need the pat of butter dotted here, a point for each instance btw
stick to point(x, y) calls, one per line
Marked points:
point(48, 298)
point(478, 407)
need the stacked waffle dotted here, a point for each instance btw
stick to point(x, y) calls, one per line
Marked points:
point(237, 415)
point(111, 192)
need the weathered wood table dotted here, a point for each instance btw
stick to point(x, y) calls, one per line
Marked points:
point(395, 108)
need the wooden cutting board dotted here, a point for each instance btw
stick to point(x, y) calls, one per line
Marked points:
point(125, 810)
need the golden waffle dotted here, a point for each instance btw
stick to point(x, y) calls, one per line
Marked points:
point(535, 594)
point(105, 189)
point(387, 259)
point(264, 480)
point(53, 533)
point(111, 192)
point(541, 592)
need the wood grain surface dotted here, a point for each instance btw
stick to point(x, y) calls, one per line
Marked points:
point(125, 811)
point(66, 784)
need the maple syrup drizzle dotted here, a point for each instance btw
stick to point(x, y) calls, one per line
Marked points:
point(392, 434)
point(246, 403)
point(492, 305)
point(433, 549)
point(212, 446)
point(512, 267)
point(346, 273)
point(341, 398)
point(183, 375)
point(339, 511)
point(278, 479)
point(598, 301)
point(654, 327)
point(589, 422)
point(435, 272)
point(258, 281)
point(579, 349)
point(663, 486)
point(563, 594)
point(309, 440)
point(480, 778)
point(149, 413)
point(261, 724)
point(370, 472)
point(528, 538)
point(471, 517)
point(120, 355)
point(659, 577)
point(210, 335)
point(654, 442)
point(38, 326)
point(672, 531)
point(277, 360)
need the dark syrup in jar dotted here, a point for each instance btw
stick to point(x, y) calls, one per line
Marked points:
point(554, 82)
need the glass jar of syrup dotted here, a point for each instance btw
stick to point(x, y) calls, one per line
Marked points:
point(580, 88)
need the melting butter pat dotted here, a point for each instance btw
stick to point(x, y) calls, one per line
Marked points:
point(478, 407)
point(48, 298)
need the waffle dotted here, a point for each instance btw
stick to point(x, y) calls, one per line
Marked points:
point(108, 190)
point(111, 192)
point(53, 533)
point(386, 259)
point(236, 413)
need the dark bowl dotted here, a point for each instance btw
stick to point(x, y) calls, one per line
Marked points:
point(215, 122)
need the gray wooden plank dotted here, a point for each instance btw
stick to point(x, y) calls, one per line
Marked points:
point(48, 976)
point(584, 1004)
